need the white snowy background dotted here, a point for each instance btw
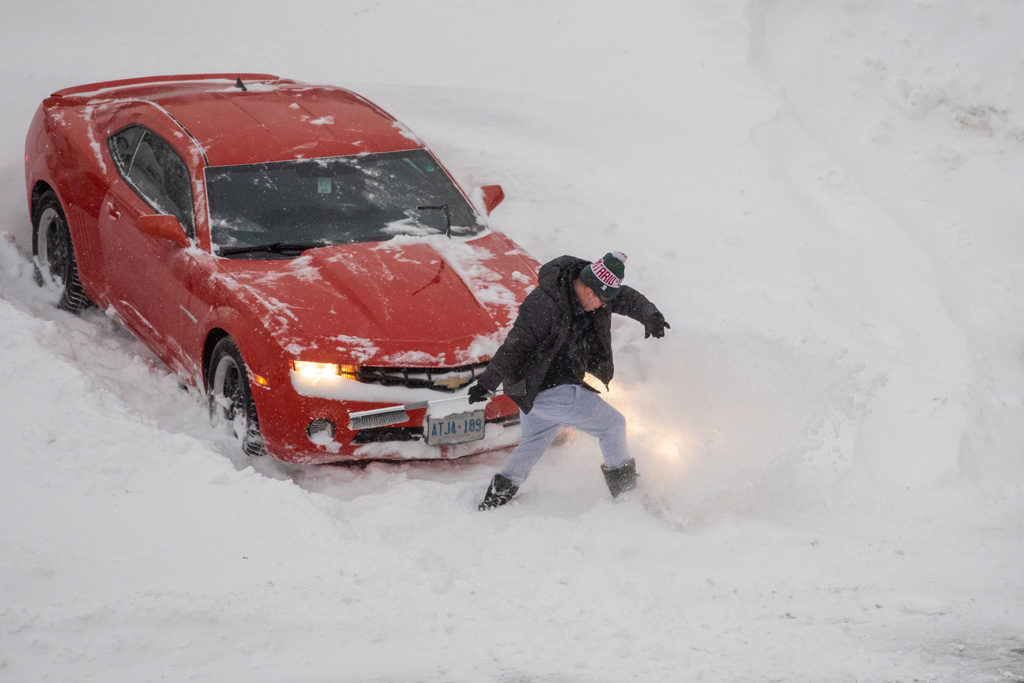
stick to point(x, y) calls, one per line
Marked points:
point(826, 201)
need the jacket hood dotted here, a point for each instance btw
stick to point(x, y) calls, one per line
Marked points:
point(425, 302)
point(555, 275)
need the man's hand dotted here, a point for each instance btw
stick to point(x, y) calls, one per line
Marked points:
point(656, 326)
point(478, 393)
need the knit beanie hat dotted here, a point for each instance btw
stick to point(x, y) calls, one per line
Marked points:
point(604, 275)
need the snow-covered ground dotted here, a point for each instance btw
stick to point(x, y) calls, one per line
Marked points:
point(823, 198)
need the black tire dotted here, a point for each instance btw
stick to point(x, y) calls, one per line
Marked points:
point(54, 256)
point(229, 397)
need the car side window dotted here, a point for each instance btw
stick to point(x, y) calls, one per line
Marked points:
point(154, 170)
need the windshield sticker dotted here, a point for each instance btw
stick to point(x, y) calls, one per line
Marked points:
point(412, 165)
point(323, 185)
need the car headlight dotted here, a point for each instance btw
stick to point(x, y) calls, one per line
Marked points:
point(315, 372)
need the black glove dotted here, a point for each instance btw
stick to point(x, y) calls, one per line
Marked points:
point(656, 325)
point(478, 393)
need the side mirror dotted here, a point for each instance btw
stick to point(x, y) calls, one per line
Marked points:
point(492, 196)
point(164, 226)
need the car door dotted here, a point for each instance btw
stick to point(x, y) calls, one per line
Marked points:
point(146, 275)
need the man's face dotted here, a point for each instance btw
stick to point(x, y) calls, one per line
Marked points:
point(588, 300)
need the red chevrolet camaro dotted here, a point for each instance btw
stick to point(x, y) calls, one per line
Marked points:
point(291, 250)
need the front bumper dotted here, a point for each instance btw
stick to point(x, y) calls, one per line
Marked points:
point(285, 415)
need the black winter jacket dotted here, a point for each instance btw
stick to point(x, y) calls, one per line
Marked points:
point(523, 360)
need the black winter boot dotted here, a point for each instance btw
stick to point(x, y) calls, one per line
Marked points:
point(622, 478)
point(499, 492)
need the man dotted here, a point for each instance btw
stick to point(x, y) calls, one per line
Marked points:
point(563, 331)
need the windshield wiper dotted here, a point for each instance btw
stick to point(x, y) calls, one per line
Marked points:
point(273, 247)
point(447, 216)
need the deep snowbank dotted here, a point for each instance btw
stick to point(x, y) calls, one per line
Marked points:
point(823, 201)
point(918, 107)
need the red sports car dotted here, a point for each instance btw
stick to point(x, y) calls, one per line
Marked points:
point(292, 250)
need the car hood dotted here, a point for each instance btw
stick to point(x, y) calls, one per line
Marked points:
point(415, 301)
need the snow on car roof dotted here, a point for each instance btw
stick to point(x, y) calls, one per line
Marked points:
point(268, 119)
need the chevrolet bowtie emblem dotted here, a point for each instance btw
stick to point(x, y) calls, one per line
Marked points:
point(452, 382)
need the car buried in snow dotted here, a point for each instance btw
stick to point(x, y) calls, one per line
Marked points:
point(290, 250)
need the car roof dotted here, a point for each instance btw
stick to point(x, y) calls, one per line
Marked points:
point(252, 118)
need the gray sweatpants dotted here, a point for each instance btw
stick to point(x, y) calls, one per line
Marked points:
point(573, 405)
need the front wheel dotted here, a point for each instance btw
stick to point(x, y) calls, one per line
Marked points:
point(54, 257)
point(230, 399)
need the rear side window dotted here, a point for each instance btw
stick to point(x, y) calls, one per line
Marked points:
point(154, 170)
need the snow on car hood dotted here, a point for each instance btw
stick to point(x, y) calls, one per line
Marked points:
point(416, 301)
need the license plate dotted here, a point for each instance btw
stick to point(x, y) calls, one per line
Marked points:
point(457, 428)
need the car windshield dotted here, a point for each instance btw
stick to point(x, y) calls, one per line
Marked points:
point(340, 200)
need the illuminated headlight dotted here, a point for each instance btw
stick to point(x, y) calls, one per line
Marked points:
point(313, 372)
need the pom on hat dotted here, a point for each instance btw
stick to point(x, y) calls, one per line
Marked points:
point(604, 275)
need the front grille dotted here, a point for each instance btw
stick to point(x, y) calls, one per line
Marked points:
point(451, 379)
point(379, 434)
